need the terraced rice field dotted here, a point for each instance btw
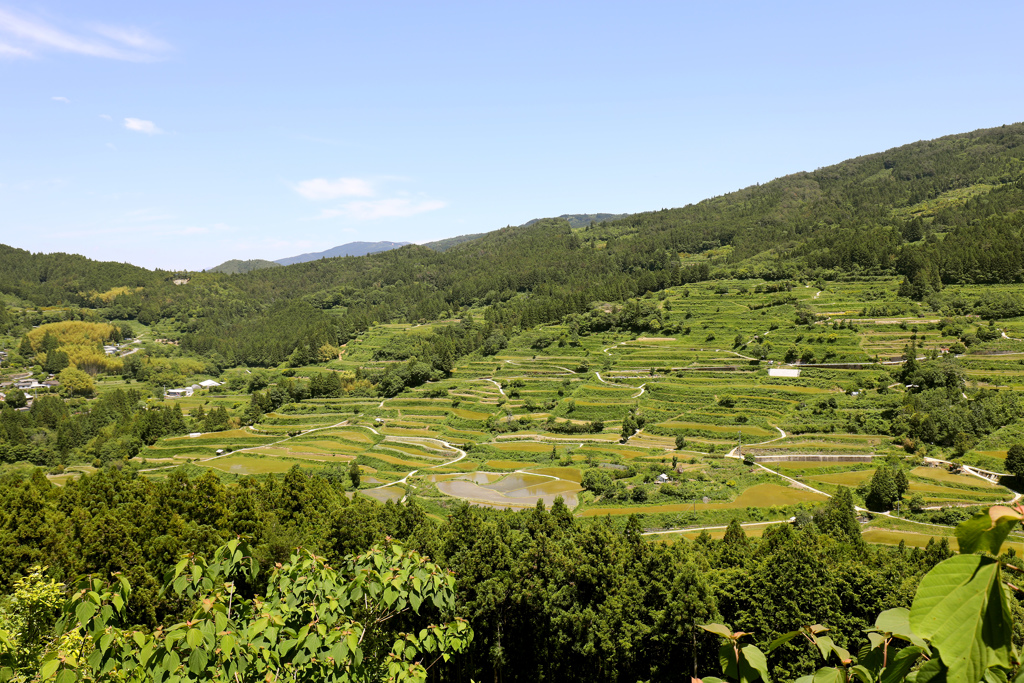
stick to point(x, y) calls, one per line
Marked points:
point(762, 495)
point(512, 491)
point(248, 464)
point(700, 381)
point(842, 479)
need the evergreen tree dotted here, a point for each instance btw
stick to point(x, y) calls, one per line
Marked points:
point(839, 519)
point(901, 481)
point(882, 493)
point(49, 343)
point(1015, 460)
point(16, 398)
point(56, 361)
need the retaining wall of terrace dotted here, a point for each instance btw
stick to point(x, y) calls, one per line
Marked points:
point(814, 458)
point(838, 366)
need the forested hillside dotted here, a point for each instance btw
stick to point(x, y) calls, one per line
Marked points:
point(547, 596)
point(582, 220)
point(347, 249)
point(448, 243)
point(938, 212)
point(763, 414)
point(235, 266)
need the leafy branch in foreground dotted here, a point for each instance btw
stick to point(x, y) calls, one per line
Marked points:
point(958, 629)
point(311, 623)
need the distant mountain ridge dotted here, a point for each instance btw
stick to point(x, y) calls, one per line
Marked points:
point(446, 244)
point(582, 220)
point(236, 266)
point(350, 249)
point(939, 212)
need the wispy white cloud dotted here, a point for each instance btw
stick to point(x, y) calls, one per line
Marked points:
point(106, 116)
point(321, 188)
point(138, 231)
point(142, 126)
point(130, 44)
point(383, 208)
point(11, 51)
point(132, 37)
point(61, 99)
point(399, 204)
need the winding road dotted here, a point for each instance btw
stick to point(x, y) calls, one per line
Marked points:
point(413, 440)
point(343, 423)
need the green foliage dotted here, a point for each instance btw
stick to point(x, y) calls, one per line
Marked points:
point(16, 398)
point(961, 608)
point(26, 619)
point(960, 624)
point(311, 622)
point(74, 382)
point(236, 266)
point(552, 597)
point(839, 519)
point(745, 664)
point(882, 492)
point(1015, 460)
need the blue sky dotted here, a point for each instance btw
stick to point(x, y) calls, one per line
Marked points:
point(179, 135)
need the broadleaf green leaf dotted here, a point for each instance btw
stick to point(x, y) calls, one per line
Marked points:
point(782, 640)
point(197, 661)
point(828, 675)
point(84, 612)
point(48, 668)
point(897, 622)
point(986, 531)
point(995, 676)
point(961, 607)
point(753, 665)
point(718, 629)
point(901, 664)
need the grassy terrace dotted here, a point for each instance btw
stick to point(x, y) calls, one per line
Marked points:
point(493, 434)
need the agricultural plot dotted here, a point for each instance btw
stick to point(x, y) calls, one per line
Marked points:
point(617, 422)
point(761, 495)
point(244, 464)
point(888, 531)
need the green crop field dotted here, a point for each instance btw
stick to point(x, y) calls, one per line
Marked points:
point(249, 464)
point(557, 401)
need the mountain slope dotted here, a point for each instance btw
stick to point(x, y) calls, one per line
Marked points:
point(937, 212)
point(349, 249)
point(925, 208)
point(234, 266)
point(446, 244)
point(582, 220)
